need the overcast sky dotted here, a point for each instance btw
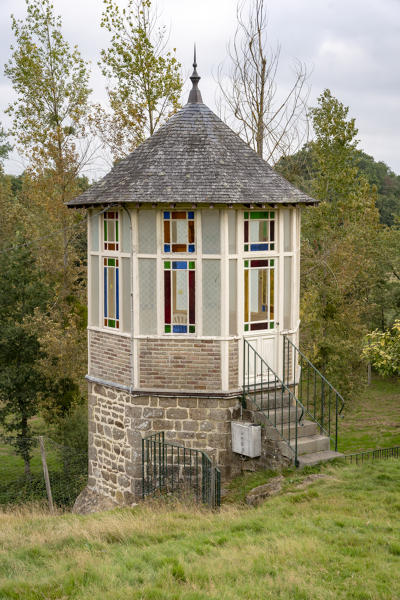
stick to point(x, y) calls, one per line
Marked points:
point(351, 46)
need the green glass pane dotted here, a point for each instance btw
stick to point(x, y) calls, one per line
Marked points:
point(105, 230)
point(111, 323)
point(191, 265)
point(111, 262)
point(167, 329)
point(192, 328)
point(167, 264)
point(271, 325)
point(246, 215)
point(272, 215)
point(246, 263)
point(259, 215)
point(246, 247)
point(116, 231)
point(246, 327)
point(271, 262)
point(272, 246)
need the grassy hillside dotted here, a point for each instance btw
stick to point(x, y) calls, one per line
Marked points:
point(338, 538)
point(372, 419)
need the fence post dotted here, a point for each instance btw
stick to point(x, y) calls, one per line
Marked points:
point(46, 474)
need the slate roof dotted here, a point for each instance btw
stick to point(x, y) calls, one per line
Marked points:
point(195, 157)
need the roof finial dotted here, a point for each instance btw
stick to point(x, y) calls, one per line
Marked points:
point(195, 95)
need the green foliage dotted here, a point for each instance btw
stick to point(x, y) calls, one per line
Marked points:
point(145, 78)
point(51, 82)
point(342, 259)
point(22, 291)
point(5, 147)
point(382, 350)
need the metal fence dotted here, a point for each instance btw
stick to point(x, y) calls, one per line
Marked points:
point(171, 468)
point(371, 455)
point(54, 475)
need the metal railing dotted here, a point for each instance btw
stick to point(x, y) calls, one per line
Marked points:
point(321, 400)
point(271, 396)
point(168, 467)
point(371, 455)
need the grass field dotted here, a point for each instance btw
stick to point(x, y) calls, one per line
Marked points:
point(372, 420)
point(339, 538)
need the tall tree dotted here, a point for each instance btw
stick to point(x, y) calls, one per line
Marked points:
point(144, 77)
point(272, 120)
point(50, 80)
point(342, 260)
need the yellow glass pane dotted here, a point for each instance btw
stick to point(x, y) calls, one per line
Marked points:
point(271, 293)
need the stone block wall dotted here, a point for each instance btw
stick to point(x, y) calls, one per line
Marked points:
point(180, 364)
point(110, 357)
point(118, 420)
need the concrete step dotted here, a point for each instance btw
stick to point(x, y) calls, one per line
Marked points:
point(315, 458)
point(304, 429)
point(282, 415)
point(264, 400)
point(312, 444)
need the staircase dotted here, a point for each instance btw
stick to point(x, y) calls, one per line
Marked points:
point(305, 416)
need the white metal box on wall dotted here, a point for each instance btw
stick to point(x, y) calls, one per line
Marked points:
point(246, 438)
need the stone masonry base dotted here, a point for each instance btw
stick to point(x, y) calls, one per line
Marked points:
point(119, 420)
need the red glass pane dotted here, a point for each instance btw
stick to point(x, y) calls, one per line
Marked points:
point(167, 296)
point(110, 215)
point(255, 326)
point(179, 215)
point(111, 246)
point(179, 247)
point(246, 232)
point(192, 298)
point(259, 263)
point(166, 232)
point(191, 232)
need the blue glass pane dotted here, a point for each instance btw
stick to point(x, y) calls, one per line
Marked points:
point(179, 264)
point(166, 215)
point(190, 215)
point(179, 328)
point(167, 248)
point(105, 291)
point(117, 290)
point(191, 247)
point(258, 247)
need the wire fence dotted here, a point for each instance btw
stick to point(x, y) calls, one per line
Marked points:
point(64, 468)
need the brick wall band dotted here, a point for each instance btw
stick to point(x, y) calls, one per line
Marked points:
point(180, 364)
point(110, 357)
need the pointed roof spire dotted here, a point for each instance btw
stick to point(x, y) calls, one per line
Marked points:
point(195, 95)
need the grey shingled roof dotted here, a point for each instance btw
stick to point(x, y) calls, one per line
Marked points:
point(195, 157)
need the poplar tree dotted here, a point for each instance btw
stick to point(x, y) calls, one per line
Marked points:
point(49, 120)
point(144, 77)
point(342, 261)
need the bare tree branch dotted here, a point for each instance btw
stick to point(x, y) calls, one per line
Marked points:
point(271, 121)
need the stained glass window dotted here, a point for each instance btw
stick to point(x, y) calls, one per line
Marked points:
point(111, 292)
point(259, 294)
point(259, 231)
point(111, 231)
point(179, 231)
point(179, 296)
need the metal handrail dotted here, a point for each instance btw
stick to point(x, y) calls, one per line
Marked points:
point(319, 407)
point(275, 387)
